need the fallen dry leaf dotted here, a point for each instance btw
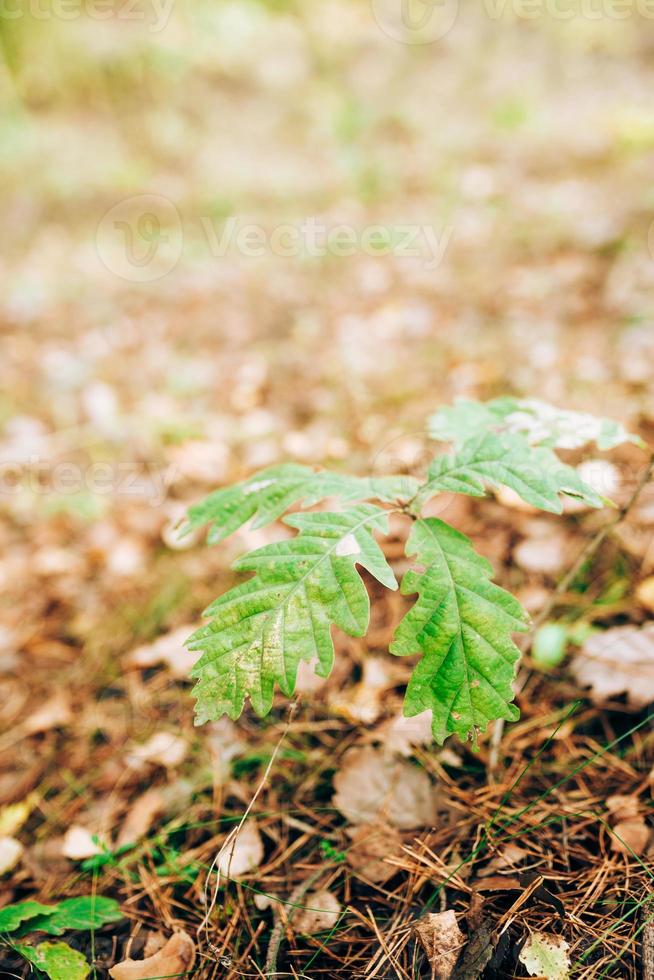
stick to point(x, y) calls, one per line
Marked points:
point(225, 743)
point(498, 883)
point(13, 816)
point(244, 853)
point(308, 681)
point(532, 597)
point(630, 832)
point(126, 558)
point(362, 703)
point(155, 941)
point(55, 713)
point(616, 661)
point(602, 476)
point(630, 837)
point(78, 844)
point(439, 935)
point(545, 956)
point(371, 844)
point(162, 749)
point(141, 816)
point(168, 649)
point(176, 958)
point(372, 783)
point(448, 757)
point(402, 734)
point(645, 593)
point(543, 554)
point(636, 539)
point(507, 860)
point(319, 913)
point(51, 562)
point(264, 902)
point(623, 807)
point(11, 851)
point(481, 943)
point(199, 461)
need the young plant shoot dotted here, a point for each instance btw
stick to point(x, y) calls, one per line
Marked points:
point(460, 621)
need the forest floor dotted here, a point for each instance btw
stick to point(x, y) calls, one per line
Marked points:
point(520, 152)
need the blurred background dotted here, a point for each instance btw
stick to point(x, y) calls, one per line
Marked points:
point(491, 167)
point(244, 231)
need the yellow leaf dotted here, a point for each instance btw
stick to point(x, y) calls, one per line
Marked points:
point(13, 817)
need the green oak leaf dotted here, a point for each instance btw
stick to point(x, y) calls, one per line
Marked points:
point(57, 960)
point(541, 424)
point(263, 628)
point(461, 622)
point(536, 473)
point(267, 495)
point(465, 419)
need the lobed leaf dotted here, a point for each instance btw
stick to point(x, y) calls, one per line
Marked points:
point(461, 622)
point(466, 419)
point(541, 424)
point(264, 497)
point(536, 474)
point(262, 629)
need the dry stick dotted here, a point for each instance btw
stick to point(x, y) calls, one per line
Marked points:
point(648, 951)
point(587, 552)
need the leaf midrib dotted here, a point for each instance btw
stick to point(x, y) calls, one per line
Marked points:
point(466, 683)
